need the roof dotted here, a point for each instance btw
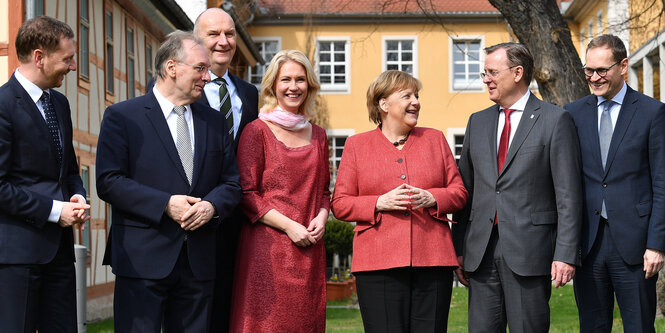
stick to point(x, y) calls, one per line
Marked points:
point(341, 7)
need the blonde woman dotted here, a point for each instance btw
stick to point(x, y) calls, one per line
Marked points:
point(283, 160)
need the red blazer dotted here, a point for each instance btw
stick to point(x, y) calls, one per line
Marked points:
point(372, 166)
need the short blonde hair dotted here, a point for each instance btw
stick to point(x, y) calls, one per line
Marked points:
point(383, 86)
point(268, 84)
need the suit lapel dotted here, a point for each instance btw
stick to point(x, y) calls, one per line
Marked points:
point(200, 139)
point(493, 122)
point(156, 118)
point(628, 109)
point(24, 102)
point(529, 118)
point(589, 123)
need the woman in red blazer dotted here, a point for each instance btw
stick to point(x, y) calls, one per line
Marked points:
point(397, 183)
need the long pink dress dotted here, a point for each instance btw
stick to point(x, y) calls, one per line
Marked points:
point(278, 286)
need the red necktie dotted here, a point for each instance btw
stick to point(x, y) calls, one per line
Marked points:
point(505, 138)
point(503, 147)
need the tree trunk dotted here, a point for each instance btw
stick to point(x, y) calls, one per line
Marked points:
point(538, 24)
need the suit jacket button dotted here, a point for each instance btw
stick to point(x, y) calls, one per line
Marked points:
point(596, 212)
point(400, 160)
point(604, 184)
point(498, 192)
point(407, 213)
point(402, 176)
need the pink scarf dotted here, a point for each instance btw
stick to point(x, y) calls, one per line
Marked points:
point(284, 119)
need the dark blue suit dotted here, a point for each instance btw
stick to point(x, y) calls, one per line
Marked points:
point(138, 169)
point(633, 187)
point(30, 179)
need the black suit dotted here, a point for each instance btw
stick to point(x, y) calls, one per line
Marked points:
point(227, 234)
point(32, 249)
point(163, 271)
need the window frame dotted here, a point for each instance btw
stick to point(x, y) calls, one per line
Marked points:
point(335, 88)
point(414, 51)
point(84, 43)
point(334, 161)
point(149, 61)
point(451, 134)
point(130, 61)
point(109, 58)
point(257, 40)
point(480, 87)
point(32, 9)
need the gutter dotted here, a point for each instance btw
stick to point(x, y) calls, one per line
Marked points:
point(172, 11)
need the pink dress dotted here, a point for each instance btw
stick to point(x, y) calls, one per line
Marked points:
point(278, 286)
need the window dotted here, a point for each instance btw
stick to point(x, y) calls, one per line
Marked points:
point(333, 64)
point(336, 141)
point(466, 64)
point(590, 29)
point(268, 48)
point(33, 8)
point(84, 58)
point(149, 70)
point(130, 64)
point(400, 54)
point(455, 137)
point(108, 23)
point(599, 22)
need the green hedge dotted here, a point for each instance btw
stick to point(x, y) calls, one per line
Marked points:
point(338, 237)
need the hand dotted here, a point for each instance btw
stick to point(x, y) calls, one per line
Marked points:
point(317, 226)
point(198, 215)
point(653, 262)
point(562, 273)
point(462, 276)
point(77, 198)
point(178, 205)
point(396, 199)
point(299, 234)
point(71, 214)
point(420, 198)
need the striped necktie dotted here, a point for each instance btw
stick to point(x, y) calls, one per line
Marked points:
point(225, 105)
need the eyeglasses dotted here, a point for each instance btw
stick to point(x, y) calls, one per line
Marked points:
point(602, 72)
point(198, 68)
point(494, 74)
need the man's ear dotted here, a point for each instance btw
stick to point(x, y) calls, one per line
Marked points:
point(519, 74)
point(38, 58)
point(170, 68)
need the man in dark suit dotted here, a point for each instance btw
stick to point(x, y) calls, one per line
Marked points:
point(167, 167)
point(622, 139)
point(521, 227)
point(216, 29)
point(41, 193)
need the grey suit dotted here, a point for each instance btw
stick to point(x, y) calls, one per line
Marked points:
point(538, 200)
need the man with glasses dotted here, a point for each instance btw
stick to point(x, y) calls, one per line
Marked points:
point(521, 227)
point(622, 139)
point(167, 167)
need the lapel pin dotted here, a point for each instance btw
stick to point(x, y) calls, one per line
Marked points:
point(531, 117)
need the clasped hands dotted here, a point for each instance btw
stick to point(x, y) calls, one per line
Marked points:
point(74, 212)
point(304, 237)
point(404, 196)
point(190, 212)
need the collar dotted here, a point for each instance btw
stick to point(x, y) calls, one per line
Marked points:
point(32, 89)
point(618, 98)
point(520, 105)
point(165, 104)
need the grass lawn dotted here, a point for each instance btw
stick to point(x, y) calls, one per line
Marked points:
point(341, 320)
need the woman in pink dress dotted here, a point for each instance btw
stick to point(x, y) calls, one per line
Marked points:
point(279, 283)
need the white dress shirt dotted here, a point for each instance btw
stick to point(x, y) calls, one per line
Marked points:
point(212, 93)
point(35, 94)
point(515, 118)
point(616, 107)
point(172, 117)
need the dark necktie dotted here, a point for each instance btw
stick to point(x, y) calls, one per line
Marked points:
point(225, 105)
point(52, 124)
point(505, 139)
point(605, 137)
point(184, 143)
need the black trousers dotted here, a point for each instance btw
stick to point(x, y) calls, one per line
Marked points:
point(407, 299)
point(40, 297)
point(177, 303)
point(603, 275)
